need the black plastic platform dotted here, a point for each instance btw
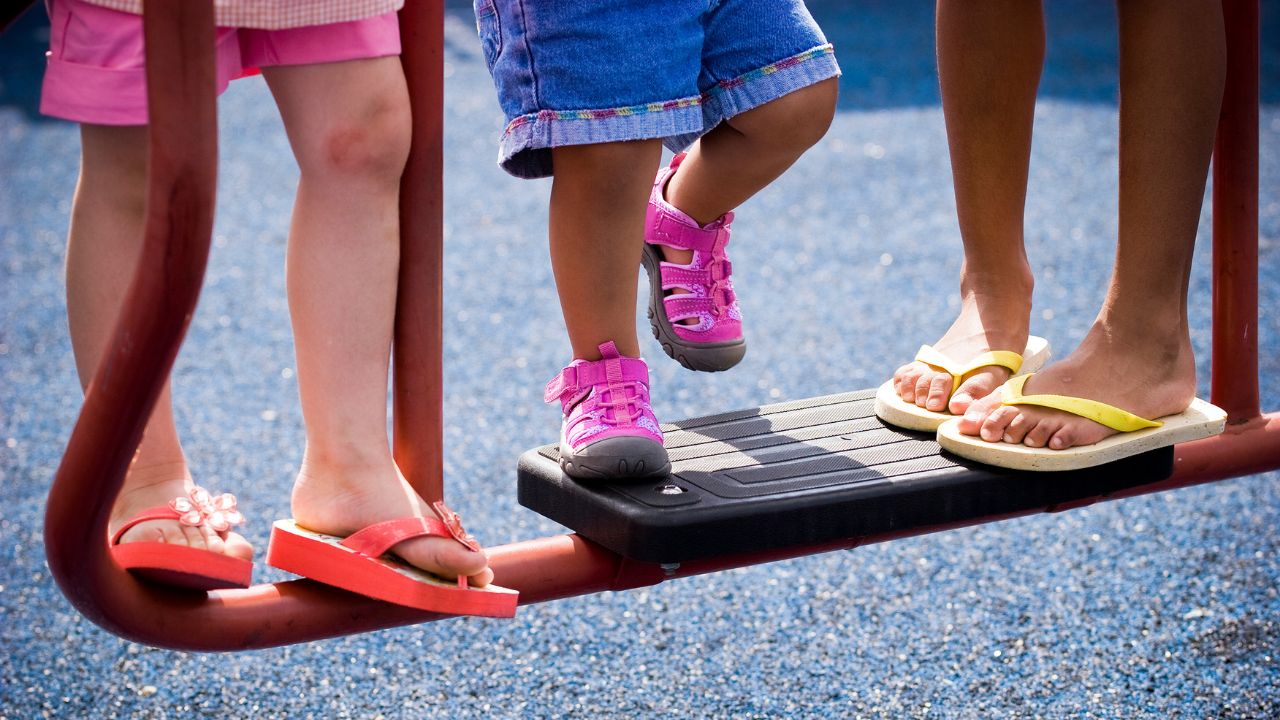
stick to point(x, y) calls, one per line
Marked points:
point(802, 473)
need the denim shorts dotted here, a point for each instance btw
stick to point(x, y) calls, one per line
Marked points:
point(595, 71)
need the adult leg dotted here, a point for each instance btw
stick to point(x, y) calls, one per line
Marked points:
point(598, 201)
point(1138, 355)
point(348, 124)
point(103, 245)
point(989, 59)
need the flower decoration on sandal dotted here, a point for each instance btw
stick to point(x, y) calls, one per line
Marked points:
point(201, 507)
point(453, 522)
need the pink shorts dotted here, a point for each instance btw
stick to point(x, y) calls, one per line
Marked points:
point(96, 72)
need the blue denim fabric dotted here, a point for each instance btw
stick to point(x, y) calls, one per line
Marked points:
point(574, 72)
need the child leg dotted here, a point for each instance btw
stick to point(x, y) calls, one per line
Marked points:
point(729, 164)
point(103, 244)
point(596, 232)
point(745, 153)
point(348, 124)
point(989, 61)
point(1138, 355)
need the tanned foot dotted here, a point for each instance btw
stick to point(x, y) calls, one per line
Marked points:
point(987, 321)
point(339, 498)
point(148, 487)
point(1148, 373)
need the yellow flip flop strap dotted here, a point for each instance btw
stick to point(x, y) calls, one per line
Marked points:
point(1102, 413)
point(937, 360)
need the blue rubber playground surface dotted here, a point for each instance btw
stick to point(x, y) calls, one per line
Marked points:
point(1163, 606)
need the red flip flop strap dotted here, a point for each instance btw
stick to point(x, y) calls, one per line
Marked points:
point(381, 537)
point(159, 512)
point(453, 521)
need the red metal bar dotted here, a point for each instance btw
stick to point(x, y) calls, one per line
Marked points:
point(160, 303)
point(418, 380)
point(1235, 221)
point(182, 171)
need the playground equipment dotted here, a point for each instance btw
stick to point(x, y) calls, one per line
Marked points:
point(826, 460)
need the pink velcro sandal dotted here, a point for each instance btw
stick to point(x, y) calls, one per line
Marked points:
point(715, 341)
point(609, 430)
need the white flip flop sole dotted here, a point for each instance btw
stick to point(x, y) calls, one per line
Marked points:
point(891, 408)
point(1200, 420)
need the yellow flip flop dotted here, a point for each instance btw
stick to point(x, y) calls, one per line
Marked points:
point(891, 408)
point(1137, 434)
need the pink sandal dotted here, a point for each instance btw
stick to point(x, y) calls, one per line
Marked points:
point(715, 343)
point(609, 430)
point(182, 565)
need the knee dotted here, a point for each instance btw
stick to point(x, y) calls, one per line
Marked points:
point(794, 122)
point(370, 145)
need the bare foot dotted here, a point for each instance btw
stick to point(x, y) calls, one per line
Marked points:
point(339, 498)
point(156, 485)
point(1148, 373)
point(988, 321)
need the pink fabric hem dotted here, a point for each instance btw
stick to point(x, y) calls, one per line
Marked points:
point(109, 95)
point(96, 71)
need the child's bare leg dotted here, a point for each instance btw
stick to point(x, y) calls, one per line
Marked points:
point(348, 124)
point(598, 201)
point(103, 243)
point(747, 152)
point(1138, 354)
point(989, 59)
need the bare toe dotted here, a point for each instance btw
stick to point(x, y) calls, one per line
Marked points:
point(971, 390)
point(993, 427)
point(939, 389)
point(1063, 438)
point(1038, 436)
point(1018, 428)
point(442, 556)
point(976, 415)
point(481, 579)
point(922, 389)
point(907, 387)
point(212, 540)
point(236, 546)
point(194, 537)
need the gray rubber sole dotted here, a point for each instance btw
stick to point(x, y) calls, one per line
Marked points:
point(703, 357)
point(615, 458)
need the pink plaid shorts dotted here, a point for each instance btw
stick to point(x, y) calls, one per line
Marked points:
point(96, 73)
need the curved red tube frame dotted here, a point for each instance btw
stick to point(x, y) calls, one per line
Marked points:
point(166, 286)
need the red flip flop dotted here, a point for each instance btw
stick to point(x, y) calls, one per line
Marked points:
point(361, 564)
point(181, 565)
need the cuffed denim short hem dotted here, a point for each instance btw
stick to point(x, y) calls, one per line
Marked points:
point(525, 148)
point(759, 87)
point(600, 71)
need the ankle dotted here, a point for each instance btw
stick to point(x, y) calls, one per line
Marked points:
point(145, 476)
point(1163, 334)
point(344, 459)
point(677, 193)
point(1010, 279)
